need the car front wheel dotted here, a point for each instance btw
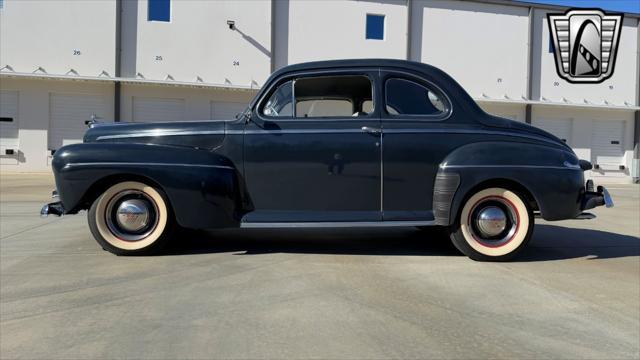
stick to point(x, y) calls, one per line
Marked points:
point(131, 218)
point(493, 225)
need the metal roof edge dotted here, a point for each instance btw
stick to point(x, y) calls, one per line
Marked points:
point(126, 81)
point(561, 104)
point(536, 5)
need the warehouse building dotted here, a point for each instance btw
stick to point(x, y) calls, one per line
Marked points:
point(65, 62)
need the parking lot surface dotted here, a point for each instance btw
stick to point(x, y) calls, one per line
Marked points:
point(397, 293)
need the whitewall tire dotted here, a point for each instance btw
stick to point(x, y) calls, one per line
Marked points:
point(131, 218)
point(494, 224)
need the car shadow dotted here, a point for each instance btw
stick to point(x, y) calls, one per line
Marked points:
point(550, 242)
point(351, 241)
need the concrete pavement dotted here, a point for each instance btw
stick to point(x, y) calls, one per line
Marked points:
point(396, 293)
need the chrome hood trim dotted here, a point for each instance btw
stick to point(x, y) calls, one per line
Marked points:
point(196, 134)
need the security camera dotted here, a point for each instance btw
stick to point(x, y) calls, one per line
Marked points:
point(231, 24)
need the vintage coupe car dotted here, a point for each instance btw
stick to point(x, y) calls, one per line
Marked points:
point(348, 143)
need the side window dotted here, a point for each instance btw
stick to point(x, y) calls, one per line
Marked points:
point(324, 108)
point(332, 96)
point(405, 97)
point(280, 102)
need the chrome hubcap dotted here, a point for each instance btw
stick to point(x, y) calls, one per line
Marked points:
point(491, 221)
point(132, 215)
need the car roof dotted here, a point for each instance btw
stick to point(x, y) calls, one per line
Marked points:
point(350, 63)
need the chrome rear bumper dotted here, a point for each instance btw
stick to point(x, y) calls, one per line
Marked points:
point(54, 208)
point(592, 199)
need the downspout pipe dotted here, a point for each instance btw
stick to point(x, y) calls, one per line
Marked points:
point(635, 166)
point(528, 107)
point(117, 86)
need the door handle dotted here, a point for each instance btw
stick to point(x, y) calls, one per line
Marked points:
point(371, 130)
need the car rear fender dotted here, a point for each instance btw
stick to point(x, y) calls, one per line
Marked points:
point(550, 177)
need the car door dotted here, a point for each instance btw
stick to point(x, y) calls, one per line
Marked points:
point(312, 150)
point(413, 116)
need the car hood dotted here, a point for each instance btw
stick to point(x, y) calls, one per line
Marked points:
point(196, 134)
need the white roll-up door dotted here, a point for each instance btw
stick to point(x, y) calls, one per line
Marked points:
point(68, 113)
point(9, 138)
point(558, 127)
point(606, 144)
point(226, 110)
point(158, 109)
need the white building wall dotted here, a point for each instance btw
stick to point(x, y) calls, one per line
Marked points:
point(58, 36)
point(198, 46)
point(582, 134)
point(508, 111)
point(334, 29)
point(197, 101)
point(34, 116)
point(483, 46)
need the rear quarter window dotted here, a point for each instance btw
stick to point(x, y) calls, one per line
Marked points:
point(407, 97)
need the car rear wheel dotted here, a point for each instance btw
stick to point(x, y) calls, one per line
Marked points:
point(494, 224)
point(131, 218)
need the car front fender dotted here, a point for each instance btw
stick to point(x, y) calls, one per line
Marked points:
point(204, 188)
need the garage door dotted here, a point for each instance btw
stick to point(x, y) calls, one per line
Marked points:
point(558, 127)
point(606, 143)
point(8, 120)
point(158, 109)
point(68, 114)
point(226, 110)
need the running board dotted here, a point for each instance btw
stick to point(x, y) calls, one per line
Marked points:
point(582, 216)
point(335, 224)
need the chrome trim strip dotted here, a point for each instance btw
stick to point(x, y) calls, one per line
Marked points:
point(323, 131)
point(401, 131)
point(70, 165)
point(161, 133)
point(334, 224)
point(305, 131)
point(468, 131)
point(444, 167)
point(381, 137)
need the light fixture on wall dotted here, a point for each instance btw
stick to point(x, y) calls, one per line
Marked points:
point(231, 24)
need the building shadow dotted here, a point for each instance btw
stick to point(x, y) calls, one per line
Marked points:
point(549, 242)
point(254, 42)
